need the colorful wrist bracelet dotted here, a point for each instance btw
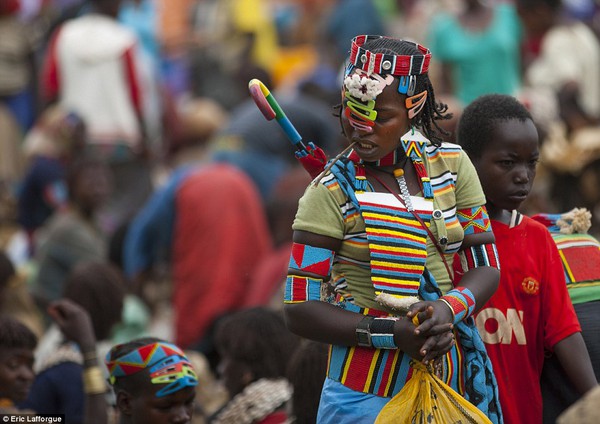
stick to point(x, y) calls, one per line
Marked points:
point(461, 301)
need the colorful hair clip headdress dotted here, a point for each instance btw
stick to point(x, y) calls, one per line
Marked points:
point(383, 64)
point(368, 73)
point(166, 362)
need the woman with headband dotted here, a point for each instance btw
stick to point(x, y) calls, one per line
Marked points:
point(374, 235)
point(153, 382)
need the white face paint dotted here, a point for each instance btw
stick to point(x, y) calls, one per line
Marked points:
point(361, 90)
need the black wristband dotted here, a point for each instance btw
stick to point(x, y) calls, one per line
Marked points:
point(363, 332)
point(383, 326)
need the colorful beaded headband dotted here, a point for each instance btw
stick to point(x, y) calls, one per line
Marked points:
point(167, 362)
point(382, 64)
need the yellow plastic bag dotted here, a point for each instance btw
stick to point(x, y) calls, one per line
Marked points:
point(426, 399)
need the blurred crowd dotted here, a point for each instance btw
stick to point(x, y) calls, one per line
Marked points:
point(139, 180)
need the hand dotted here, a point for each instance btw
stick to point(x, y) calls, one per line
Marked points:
point(435, 322)
point(436, 346)
point(74, 322)
point(434, 318)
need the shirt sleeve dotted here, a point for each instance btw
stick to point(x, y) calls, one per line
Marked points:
point(469, 192)
point(150, 232)
point(320, 213)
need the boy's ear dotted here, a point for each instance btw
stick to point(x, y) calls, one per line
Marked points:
point(124, 402)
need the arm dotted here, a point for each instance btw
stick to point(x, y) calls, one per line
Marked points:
point(150, 232)
point(328, 323)
point(76, 325)
point(443, 313)
point(575, 360)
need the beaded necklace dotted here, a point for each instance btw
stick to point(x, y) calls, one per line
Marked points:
point(397, 240)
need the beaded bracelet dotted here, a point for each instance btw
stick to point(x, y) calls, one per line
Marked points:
point(461, 301)
point(376, 332)
point(382, 333)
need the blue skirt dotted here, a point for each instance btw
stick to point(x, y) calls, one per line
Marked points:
point(341, 405)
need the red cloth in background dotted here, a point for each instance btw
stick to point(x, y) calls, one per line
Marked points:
point(220, 235)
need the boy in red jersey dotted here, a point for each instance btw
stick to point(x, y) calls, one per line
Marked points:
point(531, 311)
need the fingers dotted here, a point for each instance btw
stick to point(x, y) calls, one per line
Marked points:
point(437, 346)
point(440, 329)
point(415, 308)
point(422, 319)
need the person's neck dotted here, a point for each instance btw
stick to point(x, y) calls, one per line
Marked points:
point(497, 214)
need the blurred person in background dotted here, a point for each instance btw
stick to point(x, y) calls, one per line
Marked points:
point(55, 140)
point(234, 41)
point(206, 224)
point(94, 289)
point(17, 345)
point(562, 81)
point(94, 67)
point(263, 151)
point(17, 65)
point(268, 278)
point(254, 348)
point(348, 18)
point(72, 235)
point(478, 49)
point(306, 372)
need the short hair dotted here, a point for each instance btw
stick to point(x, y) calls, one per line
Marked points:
point(258, 338)
point(100, 289)
point(133, 383)
point(480, 118)
point(432, 111)
point(15, 335)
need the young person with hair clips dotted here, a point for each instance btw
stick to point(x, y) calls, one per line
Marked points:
point(531, 312)
point(153, 381)
point(373, 239)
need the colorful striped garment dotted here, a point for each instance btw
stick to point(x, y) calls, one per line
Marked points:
point(344, 206)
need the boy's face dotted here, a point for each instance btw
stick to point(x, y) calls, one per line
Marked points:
point(176, 408)
point(507, 165)
point(16, 373)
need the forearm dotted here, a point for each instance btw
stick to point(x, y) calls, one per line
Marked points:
point(482, 282)
point(480, 267)
point(575, 360)
point(96, 407)
point(322, 322)
point(330, 324)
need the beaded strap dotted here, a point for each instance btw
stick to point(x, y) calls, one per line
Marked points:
point(382, 64)
point(461, 301)
point(382, 333)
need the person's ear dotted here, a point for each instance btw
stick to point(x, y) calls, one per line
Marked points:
point(125, 402)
